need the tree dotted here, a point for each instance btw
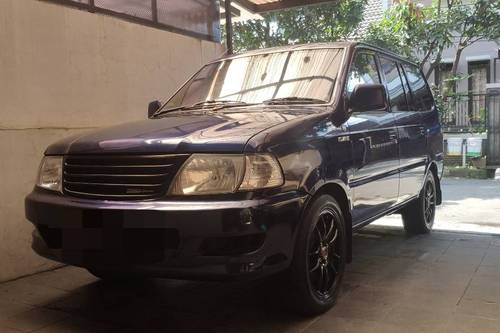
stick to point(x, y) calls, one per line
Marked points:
point(308, 24)
point(422, 33)
point(417, 32)
point(475, 21)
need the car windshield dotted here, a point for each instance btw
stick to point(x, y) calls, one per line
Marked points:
point(301, 76)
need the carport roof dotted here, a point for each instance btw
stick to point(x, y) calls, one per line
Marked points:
point(261, 6)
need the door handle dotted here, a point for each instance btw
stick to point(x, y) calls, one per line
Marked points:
point(393, 137)
point(365, 151)
point(422, 131)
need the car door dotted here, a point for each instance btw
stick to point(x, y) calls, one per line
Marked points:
point(412, 131)
point(408, 122)
point(375, 180)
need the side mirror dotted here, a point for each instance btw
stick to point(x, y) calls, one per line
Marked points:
point(153, 107)
point(368, 97)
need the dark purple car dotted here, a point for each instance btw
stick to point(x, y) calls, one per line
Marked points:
point(261, 163)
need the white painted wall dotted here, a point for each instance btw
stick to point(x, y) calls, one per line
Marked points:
point(64, 70)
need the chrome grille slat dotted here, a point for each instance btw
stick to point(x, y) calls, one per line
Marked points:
point(107, 196)
point(115, 184)
point(120, 166)
point(112, 175)
point(120, 177)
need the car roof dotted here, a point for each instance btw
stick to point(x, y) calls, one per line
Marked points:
point(344, 44)
point(291, 48)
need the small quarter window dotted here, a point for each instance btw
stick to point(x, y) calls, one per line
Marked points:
point(422, 97)
point(395, 88)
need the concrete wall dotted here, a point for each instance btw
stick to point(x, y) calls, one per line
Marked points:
point(64, 70)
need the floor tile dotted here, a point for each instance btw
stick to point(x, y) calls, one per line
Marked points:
point(34, 319)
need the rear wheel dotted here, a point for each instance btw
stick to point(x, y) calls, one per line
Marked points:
point(418, 216)
point(320, 256)
point(491, 173)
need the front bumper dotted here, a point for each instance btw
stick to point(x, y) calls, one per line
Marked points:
point(181, 239)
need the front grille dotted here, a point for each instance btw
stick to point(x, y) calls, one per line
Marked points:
point(114, 177)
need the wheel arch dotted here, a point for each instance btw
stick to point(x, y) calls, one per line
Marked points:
point(339, 191)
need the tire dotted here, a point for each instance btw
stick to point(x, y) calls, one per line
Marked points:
point(491, 173)
point(418, 216)
point(320, 255)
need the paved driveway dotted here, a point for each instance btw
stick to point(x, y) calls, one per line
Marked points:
point(468, 205)
point(443, 282)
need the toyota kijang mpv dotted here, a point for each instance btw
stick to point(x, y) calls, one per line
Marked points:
point(262, 162)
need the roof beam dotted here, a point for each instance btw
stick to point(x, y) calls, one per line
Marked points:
point(248, 5)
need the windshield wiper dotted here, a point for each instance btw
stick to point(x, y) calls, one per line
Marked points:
point(212, 102)
point(220, 103)
point(294, 100)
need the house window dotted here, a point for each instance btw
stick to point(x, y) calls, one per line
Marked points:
point(479, 76)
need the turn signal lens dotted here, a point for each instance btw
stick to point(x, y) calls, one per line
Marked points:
point(50, 173)
point(262, 171)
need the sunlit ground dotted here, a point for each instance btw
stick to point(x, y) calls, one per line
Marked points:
point(468, 205)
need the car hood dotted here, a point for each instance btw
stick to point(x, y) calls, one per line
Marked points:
point(226, 130)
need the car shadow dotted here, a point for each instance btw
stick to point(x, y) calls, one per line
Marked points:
point(156, 305)
point(160, 305)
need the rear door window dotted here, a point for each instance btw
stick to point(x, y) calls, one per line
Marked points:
point(421, 94)
point(397, 96)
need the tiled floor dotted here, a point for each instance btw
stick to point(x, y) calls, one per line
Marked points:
point(444, 282)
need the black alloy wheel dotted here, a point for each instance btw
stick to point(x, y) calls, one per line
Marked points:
point(418, 215)
point(320, 256)
point(324, 258)
point(429, 203)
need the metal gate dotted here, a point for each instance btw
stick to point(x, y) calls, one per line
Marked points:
point(493, 125)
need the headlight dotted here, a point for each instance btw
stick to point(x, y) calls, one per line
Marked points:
point(217, 174)
point(50, 173)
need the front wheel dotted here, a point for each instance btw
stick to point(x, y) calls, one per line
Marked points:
point(320, 256)
point(418, 216)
